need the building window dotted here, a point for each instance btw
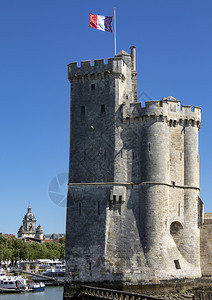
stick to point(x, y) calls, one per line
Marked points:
point(105, 155)
point(80, 209)
point(178, 209)
point(133, 155)
point(89, 266)
point(173, 184)
point(93, 86)
point(149, 146)
point(102, 108)
point(84, 155)
point(82, 110)
point(120, 199)
point(177, 264)
point(114, 199)
point(98, 207)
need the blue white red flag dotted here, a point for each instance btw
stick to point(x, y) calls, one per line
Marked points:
point(101, 22)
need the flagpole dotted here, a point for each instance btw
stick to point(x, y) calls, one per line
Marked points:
point(115, 29)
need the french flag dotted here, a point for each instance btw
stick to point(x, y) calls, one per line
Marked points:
point(101, 22)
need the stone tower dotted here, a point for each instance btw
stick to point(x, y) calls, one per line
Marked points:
point(133, 211)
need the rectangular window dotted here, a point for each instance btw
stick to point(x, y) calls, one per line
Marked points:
point(120, 199)
point(173, 184)
point(177, 264)
point(84, 155)
point(133, 155)
point(93, 86)
point(89, 266)
point(114, 199)
point(82, 110)
point(105, 155)
point(178, 209)
point(102, 108)
point(98, 207)
point(80, 209)
point(149, 146)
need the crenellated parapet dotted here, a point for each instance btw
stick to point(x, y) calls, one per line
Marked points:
point(168, 109)
point(99, 70)
point(117, 66)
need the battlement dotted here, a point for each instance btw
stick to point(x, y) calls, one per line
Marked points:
point(168, 108)
point(115, 65)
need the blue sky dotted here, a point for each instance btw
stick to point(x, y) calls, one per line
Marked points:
point(37, 41)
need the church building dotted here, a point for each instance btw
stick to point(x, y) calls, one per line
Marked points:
point(28, 230)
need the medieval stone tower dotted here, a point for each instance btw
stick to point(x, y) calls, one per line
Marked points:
point(133, 210)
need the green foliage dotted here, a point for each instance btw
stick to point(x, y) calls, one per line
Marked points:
point(13, 249)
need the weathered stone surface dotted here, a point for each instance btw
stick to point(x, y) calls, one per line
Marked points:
point(206, 245)
point(133, 202)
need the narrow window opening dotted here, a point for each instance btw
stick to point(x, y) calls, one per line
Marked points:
point(93, 86)
point(102, 108)
point(114, 199)
point(178, 209)
point(80, 209)
point(105, 155)
point(132, 186)
point(177, 264)
point(89, 266)
point(173, 184)
point(120, 199)
point(98, 207)
point(84, 155)
point(82, 110)
point(149, 146)
point(133, 155)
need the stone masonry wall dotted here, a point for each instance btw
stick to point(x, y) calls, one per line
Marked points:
point(133, 199)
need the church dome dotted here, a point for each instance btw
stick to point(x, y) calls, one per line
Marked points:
point(29, 215)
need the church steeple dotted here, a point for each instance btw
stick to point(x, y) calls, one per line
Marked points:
point(28, 229)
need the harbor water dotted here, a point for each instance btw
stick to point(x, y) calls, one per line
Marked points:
point(50, 293)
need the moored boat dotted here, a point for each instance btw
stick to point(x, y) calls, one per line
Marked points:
point(12, 283)
point(38, 287)
point(51, 275)
point(17, 284)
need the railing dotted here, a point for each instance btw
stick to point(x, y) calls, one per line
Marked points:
point(102, 293)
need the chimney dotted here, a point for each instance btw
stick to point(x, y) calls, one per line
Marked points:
point(133, 63)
